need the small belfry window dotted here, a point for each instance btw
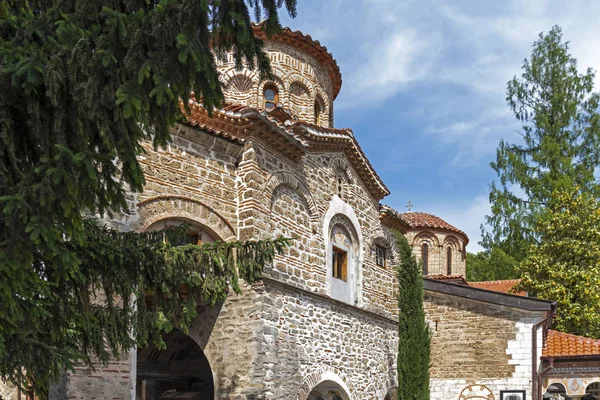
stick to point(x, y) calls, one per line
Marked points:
point(449, 260)
point(425, 257)
point(380, 256)
point(340, 263)
point(271, 97)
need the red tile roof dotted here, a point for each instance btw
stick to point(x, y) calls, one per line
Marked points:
point(503, 286)
point(423, 220)
point(559, 344)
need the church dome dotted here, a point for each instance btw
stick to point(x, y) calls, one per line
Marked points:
point(306, 78)
point(418, 220)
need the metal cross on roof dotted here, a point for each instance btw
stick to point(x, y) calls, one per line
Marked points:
point(409, 205)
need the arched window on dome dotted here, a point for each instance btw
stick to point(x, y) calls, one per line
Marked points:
point(425, 257)
point(317, 114)
point(271, 97)
point(319, 108)
point(449, 260)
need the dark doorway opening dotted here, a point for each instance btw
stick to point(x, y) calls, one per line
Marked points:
point(181, 371)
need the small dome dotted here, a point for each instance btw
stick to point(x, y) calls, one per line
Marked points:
point(424, 220)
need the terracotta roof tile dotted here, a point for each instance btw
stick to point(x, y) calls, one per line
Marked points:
point(424, 220)
point(559, 344)
point(503, 286)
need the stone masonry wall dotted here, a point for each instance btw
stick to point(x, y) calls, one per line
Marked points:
point(304, 335)
point(478, 343)
point(293, 203)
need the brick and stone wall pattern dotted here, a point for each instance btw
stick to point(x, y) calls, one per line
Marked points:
point(476, 343)
point(439, 241)
point(300, 80)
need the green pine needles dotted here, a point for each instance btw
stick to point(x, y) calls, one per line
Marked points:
point(414, 338)
point(82, 84)
point(560, 147)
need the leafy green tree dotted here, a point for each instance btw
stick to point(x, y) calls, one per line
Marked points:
point(82, 84)
point(491, 266)
point(414, 340)
point(560, 148)
point(565, 266)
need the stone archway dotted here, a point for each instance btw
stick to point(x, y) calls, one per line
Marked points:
point(181, 370)
point(328, 390)
point(326, 377)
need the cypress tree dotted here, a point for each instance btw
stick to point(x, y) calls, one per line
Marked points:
point(413, 332)
point(82, 84)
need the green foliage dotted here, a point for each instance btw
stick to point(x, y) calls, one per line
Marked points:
point(491, 266)
point(82, 83)
point(565, 266)
point(414, 337)
point(561, 143)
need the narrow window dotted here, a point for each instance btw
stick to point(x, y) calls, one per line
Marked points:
point(340, 263)
point(425, 257)
point(449, 260)
point(271, 97)
point(317, 112)
point(340, 188)
point(380, 256)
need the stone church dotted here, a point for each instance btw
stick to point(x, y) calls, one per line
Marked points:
point(322, 323)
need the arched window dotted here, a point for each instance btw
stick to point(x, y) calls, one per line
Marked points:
point(425, 257)
point(317, 114)
point(319, 107)
point(271, 97)
point(449, 260)
point(593, 389)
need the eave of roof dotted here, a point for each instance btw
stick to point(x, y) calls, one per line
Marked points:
point(391, 218)
point(331, 139)
point(504, 299)
point(306, 43)
point(293, 139)
point(237, 122)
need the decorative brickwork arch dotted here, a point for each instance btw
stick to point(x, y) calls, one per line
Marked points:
point(340, 166)
point(226, 77)
point(325, 373)
point(292, 77)
point(158, 208)
point(426, 237)
point(286, 178)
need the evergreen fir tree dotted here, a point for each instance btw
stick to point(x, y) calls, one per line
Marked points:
point(414, 338)
point(560, 149)
point(82, 84)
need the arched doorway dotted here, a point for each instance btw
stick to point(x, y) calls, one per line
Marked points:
point(180, 371)
point(328, 390)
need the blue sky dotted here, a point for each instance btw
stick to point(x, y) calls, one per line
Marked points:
point(424, 87)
